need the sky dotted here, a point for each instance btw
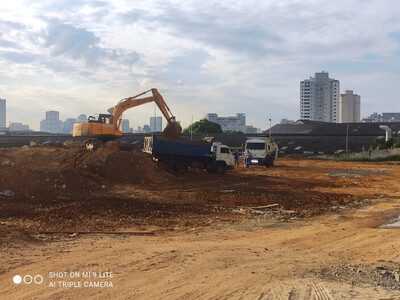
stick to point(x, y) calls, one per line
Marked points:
point(206, 56)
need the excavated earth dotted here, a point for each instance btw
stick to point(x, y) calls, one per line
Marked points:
point(61, 191)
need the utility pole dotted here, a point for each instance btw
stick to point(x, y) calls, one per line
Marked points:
point(347, 138)
point(270, 129)
point(191, 129)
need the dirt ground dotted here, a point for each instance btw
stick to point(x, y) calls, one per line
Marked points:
point(113, 224)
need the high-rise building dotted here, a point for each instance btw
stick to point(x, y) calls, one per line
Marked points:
point(155, 124)
point(68, 125)
point(52, 123)
point(146, 129)
point(319, 98)
point(125, 126)
point(2, 113)
point(82, 118)
point(349, 107)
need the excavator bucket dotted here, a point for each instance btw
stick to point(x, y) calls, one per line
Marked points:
point(172, 130)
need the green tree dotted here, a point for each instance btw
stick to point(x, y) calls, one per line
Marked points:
point(204, 126)
point(390, 142)
point(380, 143)
point(233, 131)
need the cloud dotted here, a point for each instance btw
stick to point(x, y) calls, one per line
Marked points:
point(80, 44)
point(4, 43)
point(73, 42)
point(6, 26)
point(17, 57)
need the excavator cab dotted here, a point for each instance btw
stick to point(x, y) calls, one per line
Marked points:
point(101, 118)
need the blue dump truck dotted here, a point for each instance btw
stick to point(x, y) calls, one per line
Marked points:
point(180, 154)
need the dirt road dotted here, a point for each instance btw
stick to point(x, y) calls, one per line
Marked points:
point(305, 229)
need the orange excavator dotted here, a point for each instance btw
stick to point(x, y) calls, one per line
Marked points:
point(105, 127)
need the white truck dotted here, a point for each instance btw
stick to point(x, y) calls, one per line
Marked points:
point(260, 151)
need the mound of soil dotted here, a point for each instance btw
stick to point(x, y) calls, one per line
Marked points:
point(134, 167)
point(58, 172)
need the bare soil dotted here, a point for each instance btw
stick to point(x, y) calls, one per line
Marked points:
point(304, 229)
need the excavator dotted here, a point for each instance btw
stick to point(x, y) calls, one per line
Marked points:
point(106, 127)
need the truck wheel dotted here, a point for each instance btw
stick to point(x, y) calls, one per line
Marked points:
point(220, 168)
point(269, 161)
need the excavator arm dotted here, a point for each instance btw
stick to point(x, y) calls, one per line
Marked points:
point(173, 128)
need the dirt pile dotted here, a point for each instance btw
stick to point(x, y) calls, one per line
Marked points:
point(41, 173)
point(134, 167)
point(56, 172)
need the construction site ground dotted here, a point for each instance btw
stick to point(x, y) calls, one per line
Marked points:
point(112, 224)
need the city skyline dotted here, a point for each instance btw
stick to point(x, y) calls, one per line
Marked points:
point(84, 56)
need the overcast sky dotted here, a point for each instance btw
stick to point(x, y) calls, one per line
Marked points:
point(203, 56)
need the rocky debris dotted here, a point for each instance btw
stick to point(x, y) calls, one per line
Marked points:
point(384, 275)
point(7, 163)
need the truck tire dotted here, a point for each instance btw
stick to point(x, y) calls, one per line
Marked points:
point(220, 168)
point(269, 161)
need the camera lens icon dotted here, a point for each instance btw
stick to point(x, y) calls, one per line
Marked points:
point(28, 279)
point(17, 279)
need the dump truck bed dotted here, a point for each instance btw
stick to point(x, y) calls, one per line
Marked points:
point(178, 147)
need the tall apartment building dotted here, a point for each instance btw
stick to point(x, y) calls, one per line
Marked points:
point(319, 98)
point(68, 125)
point(52, 123)
point(349, 107)
point(2, 113)
point(82, 118)
point(125, 126)
point(155, 124)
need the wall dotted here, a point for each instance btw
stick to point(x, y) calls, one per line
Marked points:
point(373, 154)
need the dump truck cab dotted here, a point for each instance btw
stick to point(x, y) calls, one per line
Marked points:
point(223, 156)
point(260, 152)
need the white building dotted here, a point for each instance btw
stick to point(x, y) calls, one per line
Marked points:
point(235, 123)
point(15, 126)
point(2, 113)
point(384, 117)
point(349, 107)
point(155, 124)
point(319, 98)
point(52, 123)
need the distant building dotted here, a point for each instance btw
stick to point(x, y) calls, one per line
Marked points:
point(14, 126)
point(384, 117)
point(349, 107)
point(2, 113)
point(82, 118)
point(286, 121)
point(319, 98)
point(68, 125)
point(52, 123)
point(125, 126)
point(234, 123)
point(146, 129)
point(155, 124)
